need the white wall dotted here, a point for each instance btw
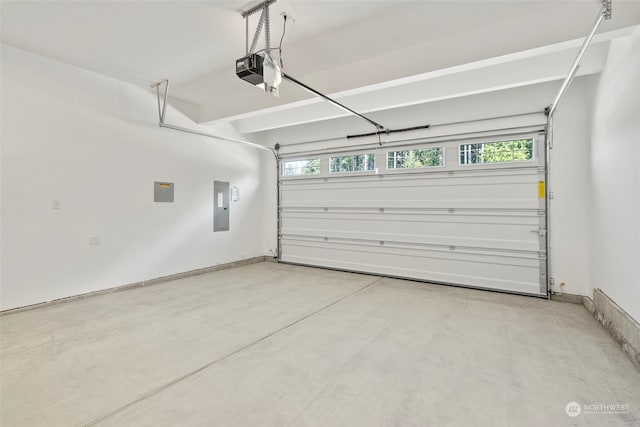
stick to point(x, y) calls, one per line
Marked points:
point(569, 183)
point(570, 169)
point(615, 152)
point(93, 143)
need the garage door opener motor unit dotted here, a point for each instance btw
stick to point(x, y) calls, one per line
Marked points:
point(249, 68)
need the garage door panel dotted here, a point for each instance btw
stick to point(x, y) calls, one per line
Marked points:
point(426, 203)
point(407, 217)
point(381, 191)
point(470, 196)
point(439, 240)
point(418, 251)
point(509, 196)
point(392, 227)
point(302, 188)
point(501, 236)
point(514, 274)
point(409, 177)
point(461, 216)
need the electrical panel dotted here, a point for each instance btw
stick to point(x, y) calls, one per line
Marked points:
point(220, 206)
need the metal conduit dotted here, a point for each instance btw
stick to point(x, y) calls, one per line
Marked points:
point(208, 135)
point(162, 108)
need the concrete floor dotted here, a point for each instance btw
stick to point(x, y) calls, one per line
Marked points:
point(277, 345)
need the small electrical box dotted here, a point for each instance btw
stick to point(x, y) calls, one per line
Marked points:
point(163, 192)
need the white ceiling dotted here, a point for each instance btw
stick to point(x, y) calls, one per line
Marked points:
point(360, 51)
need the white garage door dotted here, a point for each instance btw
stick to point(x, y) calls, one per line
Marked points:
point(468, 212)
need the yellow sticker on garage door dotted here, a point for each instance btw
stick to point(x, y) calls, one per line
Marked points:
point(541, 190)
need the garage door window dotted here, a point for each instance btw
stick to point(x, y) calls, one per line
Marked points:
point(496, 152)
point(355, 163)
point(301, 167)
point(420, 158)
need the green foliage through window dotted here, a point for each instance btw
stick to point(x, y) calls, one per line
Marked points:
point(355, 163)
point(301, 167)
point(496, 152)
point(420, 158)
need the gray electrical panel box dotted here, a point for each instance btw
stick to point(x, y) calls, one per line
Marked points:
point(163, 192)
point(220, 206)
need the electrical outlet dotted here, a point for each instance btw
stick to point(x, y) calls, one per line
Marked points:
point(56, 205)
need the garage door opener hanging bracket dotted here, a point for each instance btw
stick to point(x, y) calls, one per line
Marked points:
point(264, 21)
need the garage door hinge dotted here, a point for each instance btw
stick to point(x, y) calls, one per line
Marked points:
point(542, 231)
